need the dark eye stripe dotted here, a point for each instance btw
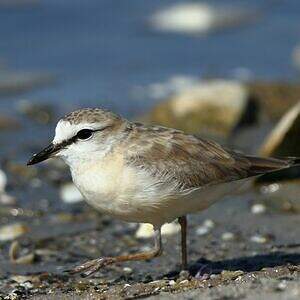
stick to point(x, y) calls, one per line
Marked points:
point(74, 138)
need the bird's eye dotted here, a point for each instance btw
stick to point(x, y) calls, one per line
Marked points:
point(84, 134)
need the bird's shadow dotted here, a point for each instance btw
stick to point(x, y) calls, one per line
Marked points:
point(245, 264)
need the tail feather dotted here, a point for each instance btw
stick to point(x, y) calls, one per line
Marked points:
point(260, 165)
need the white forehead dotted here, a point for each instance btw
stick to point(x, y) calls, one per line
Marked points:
point(65, 130)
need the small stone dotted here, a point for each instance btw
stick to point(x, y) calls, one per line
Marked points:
point(146, 230)
point(296, 56)
point(183, 282)
point(3, 181)
point(282, 285)
point(197, 18)
point(172, 282)
point(231, 275)
point(227, 236)
point(209, 223)
point(205, 228)
point(127, 270)
point(170, 228)
point(258, 208)
point(70, 194)
point(25, 278)
point(7, 199)
point(12, 83)
point(12, 231)
point(259, 239)
point(24, 259)
point(202, 230)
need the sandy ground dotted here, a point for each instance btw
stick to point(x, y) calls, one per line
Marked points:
point(262, 258)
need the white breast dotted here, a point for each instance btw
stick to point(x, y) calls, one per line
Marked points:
point(133, 195)
point(114, 188)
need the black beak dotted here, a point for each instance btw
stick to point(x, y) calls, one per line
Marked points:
point(44, 154)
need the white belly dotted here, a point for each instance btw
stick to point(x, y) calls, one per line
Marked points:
point(134, 196)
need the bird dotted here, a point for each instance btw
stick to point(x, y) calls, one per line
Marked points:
point(147, 174)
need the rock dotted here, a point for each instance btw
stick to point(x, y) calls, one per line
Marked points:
point(213, 107)
point(12, 83)
point(228, 236)
point(6, 199)
point(41, 113)
point(296, 57)
point(197, 18)
point(281, 197)
point(259, 239)
point(146, 230)
point(170, 228)
point(231, 275)
point(258, 208)
point(70, 194)
point(16, 259)
point(205, 228)
point(161, 90)
point(12, 231)
point(127, 270)
point(3, 181)
point(274, 98)
point(284, 138)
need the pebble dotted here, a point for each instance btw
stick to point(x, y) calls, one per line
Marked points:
point(12, 231)
point(282, 285)
point(146, 230)
point(170, 228)
point(296, 56)
point(127, 270)
point(3, 181)
point(172, 282)
point(197, 18)
point(70, 194)
point(259, 239)
point(205, 228)
point(7, 199)
point(24, 259)
point(185, 281)
point(231, 275)
point(258, 208)
point(227, 236)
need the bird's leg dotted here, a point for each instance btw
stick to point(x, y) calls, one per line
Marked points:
point(94, 265)
point(183, 224)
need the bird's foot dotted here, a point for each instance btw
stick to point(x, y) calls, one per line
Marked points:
point(91, 266)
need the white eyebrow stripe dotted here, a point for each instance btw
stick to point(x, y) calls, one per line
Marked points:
point(65, 130)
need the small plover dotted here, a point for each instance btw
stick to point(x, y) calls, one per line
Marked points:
point(147, 174)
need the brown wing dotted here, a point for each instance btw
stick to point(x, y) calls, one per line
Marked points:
point(191, 161)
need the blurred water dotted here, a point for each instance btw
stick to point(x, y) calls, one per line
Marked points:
point(101, 50)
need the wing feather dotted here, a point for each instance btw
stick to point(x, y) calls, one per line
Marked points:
point(190, 161)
